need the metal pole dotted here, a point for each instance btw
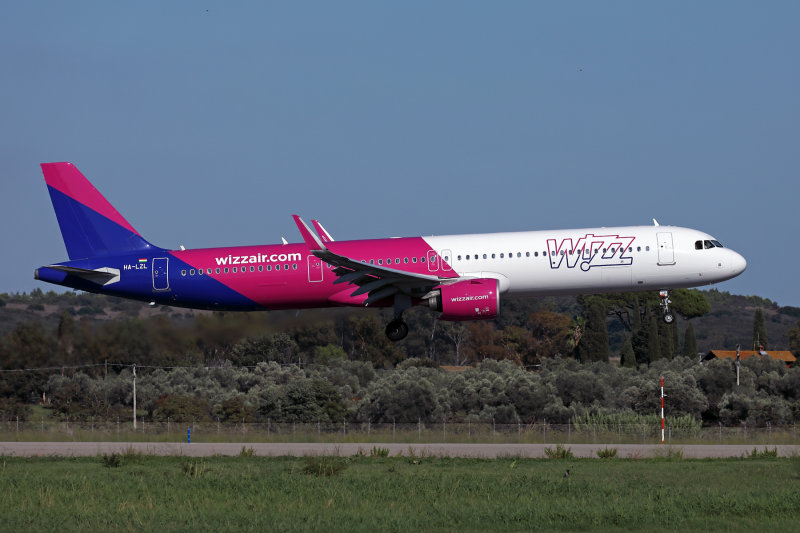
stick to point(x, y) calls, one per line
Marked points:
point(134, 396)
point(662, 409)
point(737, 364)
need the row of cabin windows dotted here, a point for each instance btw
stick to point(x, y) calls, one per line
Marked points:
point(397, 260)
point(613, 250)
point(234, 270)
point(414, 260)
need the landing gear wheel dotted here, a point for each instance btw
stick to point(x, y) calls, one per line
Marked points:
point(668, 318)
point(396, 330)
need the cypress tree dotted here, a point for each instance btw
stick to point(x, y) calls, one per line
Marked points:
point(689, 342)
point(593, 345)
point(653, 345)
point(627, 357)
point(759, 330)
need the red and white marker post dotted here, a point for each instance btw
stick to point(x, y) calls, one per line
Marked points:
point(662, 409)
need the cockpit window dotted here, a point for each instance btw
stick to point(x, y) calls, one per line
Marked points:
point(707, 244)
point(698, 245)
point(717, 244)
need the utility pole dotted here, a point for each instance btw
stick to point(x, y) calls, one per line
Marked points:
point(134, 396)
point(737, 364)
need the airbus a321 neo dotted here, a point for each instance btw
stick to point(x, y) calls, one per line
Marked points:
point(460, 276)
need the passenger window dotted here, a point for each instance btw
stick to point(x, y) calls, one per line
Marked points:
point(183, 272)
point(414, 260)
point(252, 269)
point(380, 261)
point(646, 248)
point(562, 252)
point(459, 258)
point(191, 272)
point(286, 267)
point(269, 268)
point(208, 271)
point(536, 254)
point(467, 257)
point(638, 248)
point(484, 256)
point(421, 259)
point(502, 256)
point(519, 254)
point(226, 270)
point(527, 254)
point(294, 266)
point(371, 261)
point(405, 260)
point(199, 271)
point(234, 270)
point(397, 261)
point(492, 256)
point(217, 271)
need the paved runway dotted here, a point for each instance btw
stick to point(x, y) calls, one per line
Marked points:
point(32, 449)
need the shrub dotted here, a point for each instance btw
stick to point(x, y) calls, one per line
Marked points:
point(379, 452)
point(560, 452)
point(766, 454)
point(324, 465)
point(114, 460)
point(607, 453)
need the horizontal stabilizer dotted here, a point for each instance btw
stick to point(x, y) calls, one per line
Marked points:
point(100, 276)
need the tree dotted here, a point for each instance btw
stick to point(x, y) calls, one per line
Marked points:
point(593, 345)
point(627, 357)
point(794, 338)
point(653, 345)
point(759, 330)
point(689, 342)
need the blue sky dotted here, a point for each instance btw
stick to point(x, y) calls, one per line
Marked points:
point(210, 123)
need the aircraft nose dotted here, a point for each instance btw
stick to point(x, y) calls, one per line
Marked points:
point(738, 264)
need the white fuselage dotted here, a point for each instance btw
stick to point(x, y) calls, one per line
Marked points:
point(627, 258)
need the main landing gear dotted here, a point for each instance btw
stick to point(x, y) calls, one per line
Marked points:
point(665, 301)
point(397, 329)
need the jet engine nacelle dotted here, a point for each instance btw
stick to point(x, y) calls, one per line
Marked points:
point(472, 299)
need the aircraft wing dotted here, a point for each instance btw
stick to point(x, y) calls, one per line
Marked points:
point(376, 281)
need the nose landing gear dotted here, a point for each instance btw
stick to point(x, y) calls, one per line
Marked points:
point(665, 301)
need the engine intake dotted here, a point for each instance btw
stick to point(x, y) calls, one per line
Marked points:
point(473, 299)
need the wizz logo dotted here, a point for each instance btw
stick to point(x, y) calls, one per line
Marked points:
point(590, 251)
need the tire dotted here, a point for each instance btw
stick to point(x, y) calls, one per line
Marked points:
point(396, 330)
point(668, 318)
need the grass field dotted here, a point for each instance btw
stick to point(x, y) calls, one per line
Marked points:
point(409, 493)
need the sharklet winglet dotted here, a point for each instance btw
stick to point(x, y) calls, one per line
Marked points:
point(312, 241)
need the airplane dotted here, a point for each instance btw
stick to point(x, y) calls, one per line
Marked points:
point(460, 276)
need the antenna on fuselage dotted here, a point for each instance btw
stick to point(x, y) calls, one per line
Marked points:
point(284, 241)
point(655, 222)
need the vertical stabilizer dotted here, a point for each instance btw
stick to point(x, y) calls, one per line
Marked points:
point(89, 224)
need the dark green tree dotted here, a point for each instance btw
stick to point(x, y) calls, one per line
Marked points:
point(759, 330)
point(653, 344)
point(593, 345)
point(627, 357)
point(689, 342)
point(794, 338)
